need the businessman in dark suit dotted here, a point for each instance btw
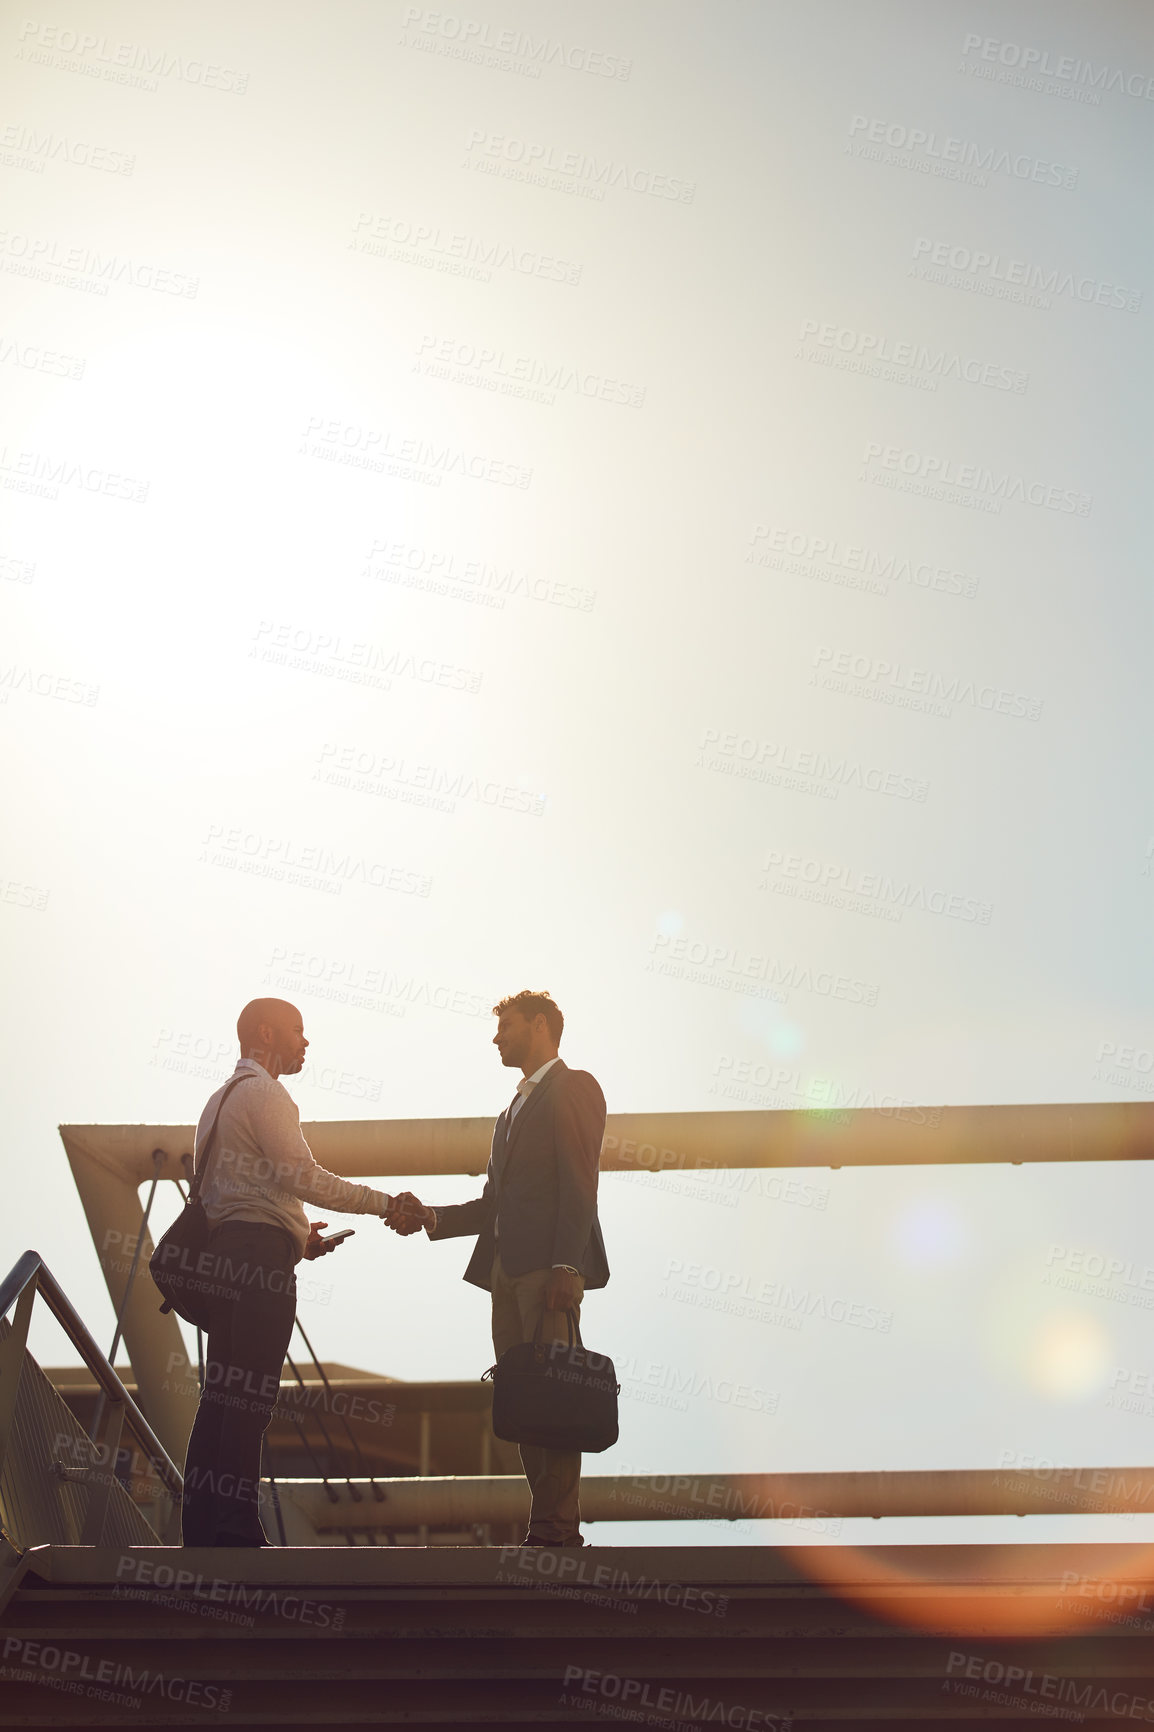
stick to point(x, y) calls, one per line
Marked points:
point(539, 1244)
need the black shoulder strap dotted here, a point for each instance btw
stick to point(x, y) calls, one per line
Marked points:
point(200, 1172)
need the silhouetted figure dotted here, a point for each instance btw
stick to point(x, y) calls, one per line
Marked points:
point(539, 1243)
point(260, 1171)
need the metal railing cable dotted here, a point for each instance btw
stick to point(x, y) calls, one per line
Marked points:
point(362, 1466)
point(158, 1158)
point(299, 1421)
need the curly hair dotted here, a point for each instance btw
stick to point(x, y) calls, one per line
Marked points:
point(531, 1004)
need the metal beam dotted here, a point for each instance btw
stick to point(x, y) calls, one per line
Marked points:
point(657, 1142)
point(809, 1497)
point(417, 1575)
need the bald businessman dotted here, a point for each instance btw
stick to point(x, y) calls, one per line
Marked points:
point(261, 1170)
point(539, 1244)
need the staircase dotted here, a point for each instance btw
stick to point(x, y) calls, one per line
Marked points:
point(680, 1638)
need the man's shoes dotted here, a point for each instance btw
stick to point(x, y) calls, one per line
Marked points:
point(536, 1540)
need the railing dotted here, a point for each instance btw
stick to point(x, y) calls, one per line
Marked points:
point(28, 1277)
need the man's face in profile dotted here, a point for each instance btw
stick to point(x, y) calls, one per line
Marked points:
point(513, 1038)
point(286, 1041)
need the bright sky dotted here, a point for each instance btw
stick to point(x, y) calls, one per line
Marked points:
point(650, 503)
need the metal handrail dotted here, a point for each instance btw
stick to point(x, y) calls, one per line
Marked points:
point(32, 1269)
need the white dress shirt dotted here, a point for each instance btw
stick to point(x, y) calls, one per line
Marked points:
point(527, 1084)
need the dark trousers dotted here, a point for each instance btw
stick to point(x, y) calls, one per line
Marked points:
point(253, 1307)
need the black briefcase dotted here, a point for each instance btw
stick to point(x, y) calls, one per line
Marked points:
point(555, 1394)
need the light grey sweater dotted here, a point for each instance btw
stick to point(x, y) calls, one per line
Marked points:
point(262, 1169)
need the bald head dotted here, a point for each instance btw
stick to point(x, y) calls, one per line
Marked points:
point(271, 1031)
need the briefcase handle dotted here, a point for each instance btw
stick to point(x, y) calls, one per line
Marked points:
point(574, 1329)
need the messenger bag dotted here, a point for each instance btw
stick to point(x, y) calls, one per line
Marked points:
point(175, 1263)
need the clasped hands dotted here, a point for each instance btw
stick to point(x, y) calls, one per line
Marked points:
point(407, 1214)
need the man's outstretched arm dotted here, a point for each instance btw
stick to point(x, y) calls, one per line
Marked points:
point(453, 1221)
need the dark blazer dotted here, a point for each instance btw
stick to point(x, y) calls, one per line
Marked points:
point(539, 1205)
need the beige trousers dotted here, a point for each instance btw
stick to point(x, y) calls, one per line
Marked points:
point(554, 1475)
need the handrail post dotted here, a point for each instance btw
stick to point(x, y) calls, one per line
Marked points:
point(12, 1364)
point(169, 1530)
point(103, 1473)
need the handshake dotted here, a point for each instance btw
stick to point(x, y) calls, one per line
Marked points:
point(407, 1215)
